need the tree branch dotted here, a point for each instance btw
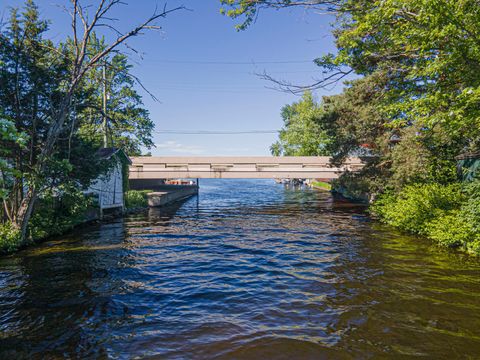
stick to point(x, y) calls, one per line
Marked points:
point(285, 86)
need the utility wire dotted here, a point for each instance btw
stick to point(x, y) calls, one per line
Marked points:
point(209, 132)
point(252, 62)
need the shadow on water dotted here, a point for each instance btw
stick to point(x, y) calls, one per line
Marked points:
point(55, 288)
point(248, 269)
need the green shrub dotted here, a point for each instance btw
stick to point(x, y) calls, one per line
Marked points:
point(471, 208)
point(321, 184)
point(473, 247)
point(448, 214)
point(58, 213)
point(9, 238)
point(451, 229)
point(353, 187)
point(135, 199)
point(471, 214)
point(417, 205)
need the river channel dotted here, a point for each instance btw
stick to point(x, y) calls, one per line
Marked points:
point(249, 269)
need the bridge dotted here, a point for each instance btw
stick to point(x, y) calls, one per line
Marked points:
point(247, 167)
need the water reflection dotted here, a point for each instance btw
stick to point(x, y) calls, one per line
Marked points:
point(246, 270)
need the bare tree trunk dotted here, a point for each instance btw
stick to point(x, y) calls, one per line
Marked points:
point(25, 212)
point(105, 121)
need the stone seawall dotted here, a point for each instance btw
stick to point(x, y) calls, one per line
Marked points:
point(171, 193)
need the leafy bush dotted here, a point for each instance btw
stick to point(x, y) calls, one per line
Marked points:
point(353, 187)
point(58, 212)
point(9, 238)
point(321, 184)
point(471, 214)
point(136, 199)
point(55, 213)
point(473, 247)
point(471, 208)
point(417, 205)
point(451, 230)
point(448, 214)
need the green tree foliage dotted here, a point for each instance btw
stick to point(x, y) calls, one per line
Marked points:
point(429, 51)
point(426, 55)
point(302, 134)
point(32, 77)
point(128, 123)
point(49, 92)
point(418, 60)
point(10, 138)
point(415, 106)
point(248, 9)
point(398, 156)
point(423, 58)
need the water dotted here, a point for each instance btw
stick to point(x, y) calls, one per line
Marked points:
point(249, 270)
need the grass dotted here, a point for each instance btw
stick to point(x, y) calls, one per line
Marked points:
point(322, 185)
point(135, 199)
point(9, 238)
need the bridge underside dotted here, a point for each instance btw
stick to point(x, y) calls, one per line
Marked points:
point(235, 175)
point(238, 167)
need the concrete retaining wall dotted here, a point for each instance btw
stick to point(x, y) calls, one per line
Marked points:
point(168, 196)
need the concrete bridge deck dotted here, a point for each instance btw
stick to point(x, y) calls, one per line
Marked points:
point(253, 167)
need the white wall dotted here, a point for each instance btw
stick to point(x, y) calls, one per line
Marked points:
point(109, 188)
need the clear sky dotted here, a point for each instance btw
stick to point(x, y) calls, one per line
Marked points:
point(204, 72)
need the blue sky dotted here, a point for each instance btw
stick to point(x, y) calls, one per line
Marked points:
point(204, 72)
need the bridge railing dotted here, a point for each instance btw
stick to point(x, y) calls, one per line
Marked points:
point(238, 167)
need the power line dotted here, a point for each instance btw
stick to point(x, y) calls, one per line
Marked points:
point(252, 62)
point(213, 132)
point(214, 90)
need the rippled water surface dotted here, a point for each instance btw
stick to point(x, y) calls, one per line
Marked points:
point(248, 270)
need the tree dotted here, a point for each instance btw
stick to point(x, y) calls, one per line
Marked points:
point(415, 107)
point(427, 50)
point(430, 51)
point(302, 135)
point(249, 9)
point(420, 58)
point(113, 115)
point(426, 55)
point(41, 86)
point(10, 138)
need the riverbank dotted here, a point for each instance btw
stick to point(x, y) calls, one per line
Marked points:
point(321, 185)
point(167, 194)
point(448, 214)
point(53, 221)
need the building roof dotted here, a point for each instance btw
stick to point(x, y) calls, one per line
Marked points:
point(469, 155)
point(107, 153)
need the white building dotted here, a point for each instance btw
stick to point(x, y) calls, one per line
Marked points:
point(108, 188)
